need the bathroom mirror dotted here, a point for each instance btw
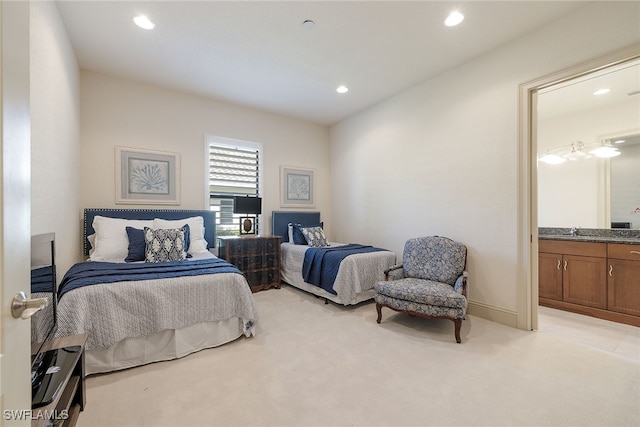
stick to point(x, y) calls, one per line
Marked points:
point(573, 119)
point(624, 182)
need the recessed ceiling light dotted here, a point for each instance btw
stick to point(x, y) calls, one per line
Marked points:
point(619, 141)
point(454, 19)
point(308, 24)
point(601, 91)
point(342, 89)
point(143, 22)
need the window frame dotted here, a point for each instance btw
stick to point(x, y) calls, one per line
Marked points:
point(231, 143)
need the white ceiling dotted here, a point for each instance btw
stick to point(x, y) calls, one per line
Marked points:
point(258, 54)
point(623, 82)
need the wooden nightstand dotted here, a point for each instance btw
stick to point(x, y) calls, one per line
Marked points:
point(258, 257)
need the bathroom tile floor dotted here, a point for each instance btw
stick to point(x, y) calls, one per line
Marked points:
point(615, 338)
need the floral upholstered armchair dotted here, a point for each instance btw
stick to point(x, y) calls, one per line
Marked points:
point(431, 282)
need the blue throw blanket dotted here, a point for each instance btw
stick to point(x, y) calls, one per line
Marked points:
point(93, 272)
point(320, 266)
point(41, 279)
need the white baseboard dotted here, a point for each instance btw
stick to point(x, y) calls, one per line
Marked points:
point(495, 314)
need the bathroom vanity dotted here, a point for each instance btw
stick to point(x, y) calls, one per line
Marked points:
point(594, 272)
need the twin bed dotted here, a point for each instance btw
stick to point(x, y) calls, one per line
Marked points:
point(138, 312)
point(355, 276)
point(135, 316)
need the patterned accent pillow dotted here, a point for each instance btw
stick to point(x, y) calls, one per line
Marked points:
point(295, 233)
point(164, 245)
point(315, 236)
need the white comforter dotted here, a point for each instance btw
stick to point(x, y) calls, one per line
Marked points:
point(355, 279)
point(115, 311)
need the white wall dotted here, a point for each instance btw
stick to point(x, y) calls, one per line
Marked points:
point(117, 112)
point(572, 194)
point(442, 157)
point(55, 122)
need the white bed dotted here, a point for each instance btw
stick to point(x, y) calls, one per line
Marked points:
point(131, 323)
point(356, 275)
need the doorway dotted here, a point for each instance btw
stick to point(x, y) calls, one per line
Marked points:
point(528, 236)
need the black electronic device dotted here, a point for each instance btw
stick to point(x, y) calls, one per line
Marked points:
point(47, 366)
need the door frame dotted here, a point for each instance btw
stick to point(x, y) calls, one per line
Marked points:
point(527, 304)
point(15, 210)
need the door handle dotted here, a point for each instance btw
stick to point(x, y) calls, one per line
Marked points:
point(23, 307)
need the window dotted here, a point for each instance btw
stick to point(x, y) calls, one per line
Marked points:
point(234, 170)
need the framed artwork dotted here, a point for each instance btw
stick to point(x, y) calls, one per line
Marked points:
point(147, 177)
point(296, 187)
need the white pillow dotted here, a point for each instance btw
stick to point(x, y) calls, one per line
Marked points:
point(92, 242)
point(197, 243)
point(290, 230)
point(111, 241)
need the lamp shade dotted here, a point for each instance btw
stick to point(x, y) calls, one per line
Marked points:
point(247, 205)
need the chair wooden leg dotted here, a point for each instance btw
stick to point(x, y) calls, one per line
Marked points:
point(458, 323)
point(379, 309)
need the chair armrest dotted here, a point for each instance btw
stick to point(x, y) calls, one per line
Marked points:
point(461, 284)
point(393, 271)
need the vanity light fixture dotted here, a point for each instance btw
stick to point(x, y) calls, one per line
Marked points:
point(552, 159)
point(454, 19)
point(577, 150)
point(605, 151)
point(342, 89)
point(143, 22)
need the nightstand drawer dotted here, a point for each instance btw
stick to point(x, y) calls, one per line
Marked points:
point(253, 262)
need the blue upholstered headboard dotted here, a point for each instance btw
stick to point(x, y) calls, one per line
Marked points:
point(170, 214)
point(281, 219)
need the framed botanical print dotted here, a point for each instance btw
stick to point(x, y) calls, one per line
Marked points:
point(297, 187)
point(147, 177)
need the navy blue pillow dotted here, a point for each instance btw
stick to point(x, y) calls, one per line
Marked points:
point(298, 237)
point(137, 243)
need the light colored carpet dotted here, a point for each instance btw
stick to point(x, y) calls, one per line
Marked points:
point(313, 364)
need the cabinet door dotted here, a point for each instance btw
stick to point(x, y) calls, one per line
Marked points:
point(624, 286)
point(550, 276)
point(585, 280)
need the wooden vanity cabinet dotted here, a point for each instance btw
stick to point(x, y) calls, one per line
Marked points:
point(579, 275)
point(584, 281)
point(597, 279)
point(624, 279)
point(550, 276)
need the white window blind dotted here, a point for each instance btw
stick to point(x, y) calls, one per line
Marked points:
point(234, 170)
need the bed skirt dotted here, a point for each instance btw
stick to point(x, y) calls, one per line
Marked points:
point(294, 278)
point(164, 345)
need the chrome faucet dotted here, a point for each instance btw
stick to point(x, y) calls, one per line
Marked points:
point(573, 231)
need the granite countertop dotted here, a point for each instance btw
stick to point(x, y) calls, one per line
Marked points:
point(591, 235)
